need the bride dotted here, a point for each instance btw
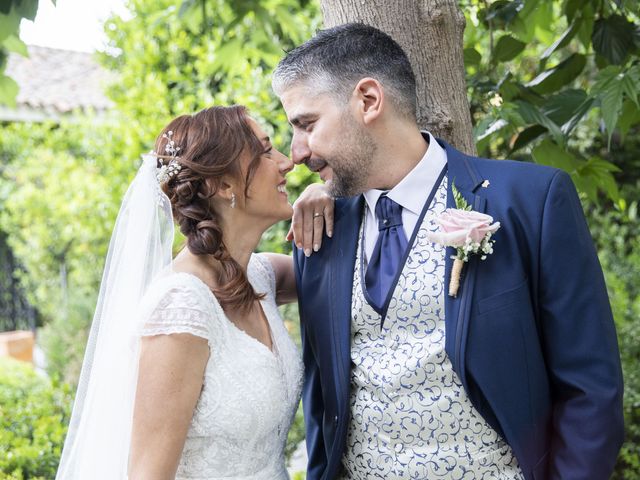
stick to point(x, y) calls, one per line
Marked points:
point(189, 372)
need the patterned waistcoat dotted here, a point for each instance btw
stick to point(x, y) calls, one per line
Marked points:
point(410, 416)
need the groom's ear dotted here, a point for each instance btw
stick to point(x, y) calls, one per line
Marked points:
point(369, 96)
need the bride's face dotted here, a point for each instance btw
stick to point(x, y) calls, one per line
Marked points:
point(267, 196)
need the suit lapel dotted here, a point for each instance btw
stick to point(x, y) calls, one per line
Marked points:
point(464, 175)
point(343, 257)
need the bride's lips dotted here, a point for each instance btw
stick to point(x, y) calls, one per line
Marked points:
point(282, 188)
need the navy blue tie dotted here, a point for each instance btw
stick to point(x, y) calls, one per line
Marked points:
point(387, 253)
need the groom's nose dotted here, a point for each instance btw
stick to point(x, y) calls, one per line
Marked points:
point(300, 151)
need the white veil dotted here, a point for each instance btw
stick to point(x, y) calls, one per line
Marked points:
point(99, 436)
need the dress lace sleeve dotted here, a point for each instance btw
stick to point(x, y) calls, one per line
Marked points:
point(180, 308)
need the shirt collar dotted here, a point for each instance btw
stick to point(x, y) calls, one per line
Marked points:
point(412, 191)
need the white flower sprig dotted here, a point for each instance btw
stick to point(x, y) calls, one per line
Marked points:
point(171, 169)
point(468, 231)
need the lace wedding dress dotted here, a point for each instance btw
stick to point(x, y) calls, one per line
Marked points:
point(250, 393)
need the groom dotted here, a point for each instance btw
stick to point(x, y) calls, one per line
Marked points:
point(518, 375)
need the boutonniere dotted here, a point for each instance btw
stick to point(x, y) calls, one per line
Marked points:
point(468, 231)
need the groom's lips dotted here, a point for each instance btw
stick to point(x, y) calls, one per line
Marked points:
point(326, 173)
point(315, 164)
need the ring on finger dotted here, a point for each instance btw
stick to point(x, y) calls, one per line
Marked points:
point(316, 215)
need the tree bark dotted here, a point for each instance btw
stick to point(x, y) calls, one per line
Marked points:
point(430, 32)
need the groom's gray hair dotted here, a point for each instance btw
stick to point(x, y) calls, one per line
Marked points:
point(335, 60)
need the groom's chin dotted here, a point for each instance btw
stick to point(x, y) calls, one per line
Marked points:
point(338, 189)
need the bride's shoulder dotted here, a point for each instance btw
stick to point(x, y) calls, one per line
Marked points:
point(179, 302)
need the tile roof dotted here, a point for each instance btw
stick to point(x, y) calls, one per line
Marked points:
point(59, 81)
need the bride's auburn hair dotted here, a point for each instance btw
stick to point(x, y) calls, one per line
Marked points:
point(212, 143)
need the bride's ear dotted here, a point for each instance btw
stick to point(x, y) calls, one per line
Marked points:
point(225, 190)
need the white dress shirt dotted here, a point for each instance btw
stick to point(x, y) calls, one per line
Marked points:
point(410, 193)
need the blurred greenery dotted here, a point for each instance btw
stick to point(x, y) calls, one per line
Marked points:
point(34, 413)
point(549, 81)
point(11, 14)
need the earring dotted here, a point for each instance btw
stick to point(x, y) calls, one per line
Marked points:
point(233, 200)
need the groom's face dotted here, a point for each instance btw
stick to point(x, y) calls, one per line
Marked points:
point(328, 140)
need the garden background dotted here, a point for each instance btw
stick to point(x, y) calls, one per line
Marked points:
point(555, 82)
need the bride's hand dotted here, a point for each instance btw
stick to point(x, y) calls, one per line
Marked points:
point(312, 214)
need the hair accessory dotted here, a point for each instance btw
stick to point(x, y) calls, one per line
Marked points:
point(233, 200)
point(171, 169)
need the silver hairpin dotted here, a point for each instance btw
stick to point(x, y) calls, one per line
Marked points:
point(171, 169)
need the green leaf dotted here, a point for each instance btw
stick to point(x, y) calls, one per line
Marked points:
point(460, 201)
point(9, 24)
point(533, 17)
point(562, 40)
point(509, 89)
point(493, 127)
point(27, 8)
point(631, 87)
point(562, 106)
point(526, 136)
point(557, 77)
point(571, 7)
point(14, 44)
point(472, 56)
point(501, 13)
point(553, 155)
point(611, 97)
point(606, 76)
point(8, 91)
point(531, 115)
point(629, 117)
point(599, 172)
point(613, 38)
point(580, 112)
point(507, 48)
point(228, 55)
point(288, 23)
point(585, 31)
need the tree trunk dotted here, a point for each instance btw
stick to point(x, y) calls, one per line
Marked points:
point(430, 32)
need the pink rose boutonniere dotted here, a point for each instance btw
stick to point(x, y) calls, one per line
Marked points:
point(469, 232)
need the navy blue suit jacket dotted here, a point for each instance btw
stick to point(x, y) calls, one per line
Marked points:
point(530, 334)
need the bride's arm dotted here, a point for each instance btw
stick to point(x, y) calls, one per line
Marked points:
point(285, 280)
point(170, 379)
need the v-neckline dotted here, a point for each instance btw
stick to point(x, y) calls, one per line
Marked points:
point(273, 350)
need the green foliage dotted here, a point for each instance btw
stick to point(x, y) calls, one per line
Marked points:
point(615, 232)
point(11, 13)
point(34, 414)
point(558, 67)
point(51, 183)
point(179, 57)
point(65, 336)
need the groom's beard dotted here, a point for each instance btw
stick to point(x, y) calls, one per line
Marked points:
point(352, 165)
